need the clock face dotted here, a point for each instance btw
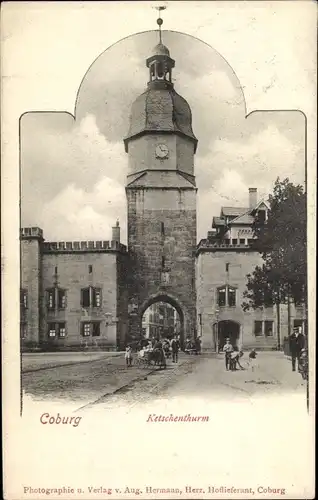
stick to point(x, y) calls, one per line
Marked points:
point(162, 151)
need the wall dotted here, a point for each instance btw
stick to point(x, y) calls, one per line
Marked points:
point(73, 274)
point(142, 153)
point(176, 209)
point(31, 282)
point(210, 274)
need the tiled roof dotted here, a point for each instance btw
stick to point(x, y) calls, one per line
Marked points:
point(218, 221)
point(230, 211)
point(243, 219)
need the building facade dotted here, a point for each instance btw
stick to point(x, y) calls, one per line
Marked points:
point(102, 294)
point(224, 259)
point(73, 294)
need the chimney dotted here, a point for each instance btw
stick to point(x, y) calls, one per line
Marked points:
point(116, 232)
point(252, 197)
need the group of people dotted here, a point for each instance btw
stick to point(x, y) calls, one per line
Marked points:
point(193, 345)
point(166, 346)
point(233, 357)
point(296, 346)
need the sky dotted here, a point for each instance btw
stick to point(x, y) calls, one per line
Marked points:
point(73, 168)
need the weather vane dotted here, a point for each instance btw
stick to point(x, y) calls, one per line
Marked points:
point(159, 20)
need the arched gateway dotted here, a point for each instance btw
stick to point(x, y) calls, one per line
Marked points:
point(163, 298)
point(161, 198)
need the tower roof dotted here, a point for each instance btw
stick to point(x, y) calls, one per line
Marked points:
point(160, 50)
point(160, 110)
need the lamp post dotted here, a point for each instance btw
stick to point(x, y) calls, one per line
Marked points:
point(217, 330)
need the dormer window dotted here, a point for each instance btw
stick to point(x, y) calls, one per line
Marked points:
point(261, 216)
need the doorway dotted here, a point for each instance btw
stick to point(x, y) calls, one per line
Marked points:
point(228, 329)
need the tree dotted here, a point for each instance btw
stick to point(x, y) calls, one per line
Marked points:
point(281, 240)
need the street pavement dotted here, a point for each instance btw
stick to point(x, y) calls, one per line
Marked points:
point(102, 379)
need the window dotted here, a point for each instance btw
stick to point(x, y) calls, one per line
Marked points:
point(232, 297)
point(258, 328)
point(227, 265)
point(51, 298)
point(226, 296)
point(268, 329)
point(91, 297)
point(96, 329)
point(55, 270)
point(23, 330)
point(85, 302)
point(90, 269)
point(162, 228)
point(23, 299)
point(52, 330)
point(96, 296)
point(61, 299)
point(234, 241)
point(90, 328)
point(163, 262)
point(86, 329)
point(222, 296)
point(261, 216)
point(56, 297)
point(62, 329)
point(242, 241)
point(250, 241)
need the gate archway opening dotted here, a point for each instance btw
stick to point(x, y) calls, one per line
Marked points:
point(227, 329)
point(162, 318)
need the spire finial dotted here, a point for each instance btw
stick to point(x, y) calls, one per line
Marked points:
point(160, 21)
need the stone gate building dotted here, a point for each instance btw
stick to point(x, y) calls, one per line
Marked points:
point(94, 294)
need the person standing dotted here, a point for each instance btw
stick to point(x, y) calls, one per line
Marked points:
point(175, 349)
point(128, 356)
point(227, 349)
point(296, 344)
point(198, 345)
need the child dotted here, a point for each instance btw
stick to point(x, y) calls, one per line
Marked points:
point(128, 356)
point(251, 359)
point(228, 349)
point(235, 360)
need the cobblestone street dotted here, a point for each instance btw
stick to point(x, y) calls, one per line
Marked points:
point(102, 379)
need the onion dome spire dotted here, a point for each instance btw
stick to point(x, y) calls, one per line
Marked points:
point(160, 63)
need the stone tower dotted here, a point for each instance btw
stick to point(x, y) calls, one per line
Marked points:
point(161, 198)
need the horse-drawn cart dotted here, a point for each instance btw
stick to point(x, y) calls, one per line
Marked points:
point(154, 357)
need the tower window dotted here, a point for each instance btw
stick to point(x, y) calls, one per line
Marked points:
point(90, 269)
point(51, 299)
point(226, 296)
point(231, 297)
point(61, 296)
point(91, 297)
point(55, 270)
point(163, 262)
point(258, 328)
point(56, 297)
point(90, 328)
point(23, 330)
point(221, 296)
point(51, 330)
point(162, 228)
point(23, 299)
point(227, 265)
